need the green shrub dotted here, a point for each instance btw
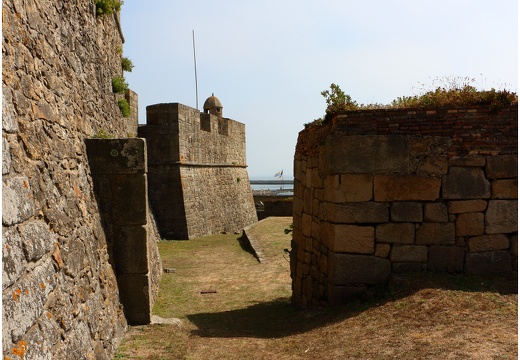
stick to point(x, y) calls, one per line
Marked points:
point(119, 85)
point(124, 107)
point(127, 65)
point(337, 100)
point(451, 91)
point(107, 7)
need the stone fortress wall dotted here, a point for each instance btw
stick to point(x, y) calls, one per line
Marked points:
point(79, 243)
point(198, 181)
point(379, 192)
point(59, 290)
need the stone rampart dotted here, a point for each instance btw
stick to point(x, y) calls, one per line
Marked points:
point(386, 191)
point(198, 181)
point(59, 291)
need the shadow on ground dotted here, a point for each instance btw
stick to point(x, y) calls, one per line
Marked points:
point(278, 318)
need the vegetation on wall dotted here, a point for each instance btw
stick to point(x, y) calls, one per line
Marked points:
point(119, 85)
point(127, 64)
point(102, 134)
point(124, 107)
point(337, 100)
point(444, 92)
point(107, 7)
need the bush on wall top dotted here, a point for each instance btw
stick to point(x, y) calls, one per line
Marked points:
point(448, 92)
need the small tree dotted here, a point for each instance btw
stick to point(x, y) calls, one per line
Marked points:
point(337, 100)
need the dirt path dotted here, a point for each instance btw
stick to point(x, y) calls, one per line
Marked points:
point(233, 307)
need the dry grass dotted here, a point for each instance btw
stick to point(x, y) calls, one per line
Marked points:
point(428, 316)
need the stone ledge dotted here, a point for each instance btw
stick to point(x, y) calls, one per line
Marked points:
point(250, 244)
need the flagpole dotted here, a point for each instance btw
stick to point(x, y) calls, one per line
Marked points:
point(196, 81)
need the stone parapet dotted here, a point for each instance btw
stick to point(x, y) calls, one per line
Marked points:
point(387, 191)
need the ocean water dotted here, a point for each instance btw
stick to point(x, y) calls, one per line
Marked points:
point(271, 187)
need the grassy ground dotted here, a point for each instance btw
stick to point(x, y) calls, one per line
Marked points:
point(233, 307)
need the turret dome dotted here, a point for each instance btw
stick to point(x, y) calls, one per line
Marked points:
point(213, 106)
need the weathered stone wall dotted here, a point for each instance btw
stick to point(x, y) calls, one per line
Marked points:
point(132, 120)
point(60, 295)
point(119, 171)
point(274, 206)
point(386, 191)
point(198, 181)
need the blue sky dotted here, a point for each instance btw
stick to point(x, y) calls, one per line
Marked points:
point(267, 61)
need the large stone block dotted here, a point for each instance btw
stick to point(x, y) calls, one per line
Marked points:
point(350, 213)
point(470, 224)
point(468, 161)
point(435, 234)
point(380, 154)
point(348, 238)
point(37, 342)
point(37, 239)
point(17, 202)
point(488, 243)
point(348, 188)
point(306, 224)
point(24, 303)
point(129, 199)
point(465, 183)
point(406, 188)
point(466, 206)
point(502, 216)
point(502, 167)
point(488, 262)
point(446, 259)
point(435, 212)
point(358, 269)
point(409, 253)
point(137, 308)
point(13, 264)
point(504, 189)
point(406, 212)
point(130, 249)
point(117, 156)
point(402, 233)
point(382, 250)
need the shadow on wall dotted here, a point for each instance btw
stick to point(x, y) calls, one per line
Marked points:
point(118, 168)
point(278, 318)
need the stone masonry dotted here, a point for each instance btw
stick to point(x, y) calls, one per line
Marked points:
point(198, 181)
point(119, 173)
point(379, 192)
point(60, 294)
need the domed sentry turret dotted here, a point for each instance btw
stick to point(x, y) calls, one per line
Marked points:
point(213, 106)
